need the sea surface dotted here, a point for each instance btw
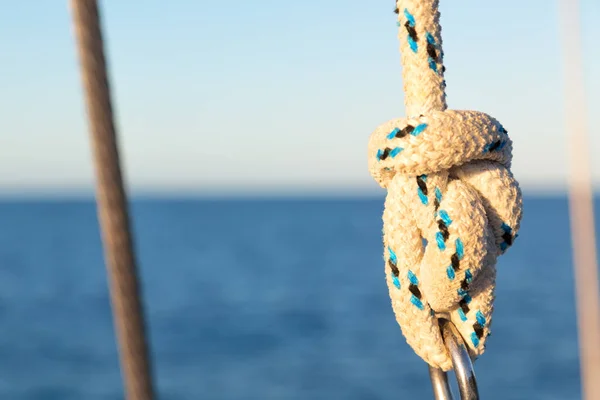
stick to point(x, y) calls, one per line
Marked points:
point(263, 299)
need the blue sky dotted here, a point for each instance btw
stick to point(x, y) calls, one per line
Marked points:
point(255, 96)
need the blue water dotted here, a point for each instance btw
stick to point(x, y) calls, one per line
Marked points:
point(257, 299)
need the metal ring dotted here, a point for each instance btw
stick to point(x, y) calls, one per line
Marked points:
point(463, 367)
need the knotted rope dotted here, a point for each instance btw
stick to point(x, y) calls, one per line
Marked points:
point(452, 204)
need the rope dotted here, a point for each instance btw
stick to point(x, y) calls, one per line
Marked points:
point(452, 204)
point(112, 204)
point(581, 201)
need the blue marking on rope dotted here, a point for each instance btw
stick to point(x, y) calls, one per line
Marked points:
point(480, 318)
point(488, 146)
point(432, 62)
point(433, 65)
point(468, 276)
point(507, 229)
point(423, 177)
point(474, 339)
point(462, 315)
point(430, 38)
point(445, 217)
point(416, 302)
point(422, 196)
point(460, 250)
point(395, 151)
point(465, 296)
point(438, 194)
point(409, 17)
point(393, 257)
point(414, 281)
point(411, 22)
point(413, 46)
point(418, 129)
point(439, 238)
point(395, 280)
point(393, 133)
point(412, 278)
point(450, 272)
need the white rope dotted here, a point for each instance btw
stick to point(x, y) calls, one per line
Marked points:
point(448, 180)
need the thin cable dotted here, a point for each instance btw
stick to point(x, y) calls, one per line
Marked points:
point(581, 202)
point(112, 204)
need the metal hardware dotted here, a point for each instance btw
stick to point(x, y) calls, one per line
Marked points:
point(463, 367)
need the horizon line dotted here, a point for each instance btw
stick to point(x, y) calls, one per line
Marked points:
point(239, 192)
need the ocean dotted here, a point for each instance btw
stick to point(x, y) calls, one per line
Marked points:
point(263, 299)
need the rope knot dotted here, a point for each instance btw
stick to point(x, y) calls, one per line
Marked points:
point(452, 207)
point(452, 204)
point(435, 142)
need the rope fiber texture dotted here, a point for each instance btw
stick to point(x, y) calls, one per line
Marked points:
point(112, 204)
point(452, 204)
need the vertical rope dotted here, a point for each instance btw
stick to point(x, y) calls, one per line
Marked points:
point(448, 180)
point(112, 204)
point(581, 203)
point(420, 36)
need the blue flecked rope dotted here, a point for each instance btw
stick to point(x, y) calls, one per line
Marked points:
point(448, 181)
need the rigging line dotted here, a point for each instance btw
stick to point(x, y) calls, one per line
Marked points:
point(112, 204)
point(581, 201)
